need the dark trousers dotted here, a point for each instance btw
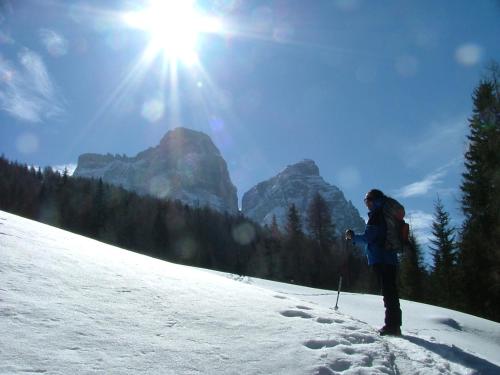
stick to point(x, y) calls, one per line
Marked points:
point(386, 275)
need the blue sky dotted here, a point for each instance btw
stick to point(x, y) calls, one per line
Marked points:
point(377, 93)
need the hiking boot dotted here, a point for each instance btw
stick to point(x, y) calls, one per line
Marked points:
point(390, 331)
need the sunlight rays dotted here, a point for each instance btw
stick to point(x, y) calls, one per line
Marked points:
point(129, 81)
point(173, 28)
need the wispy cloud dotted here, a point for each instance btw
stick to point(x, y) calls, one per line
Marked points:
point(421, 225)
point(428, 184)
point(421, 187)
point(26, 89)
point(54, 42)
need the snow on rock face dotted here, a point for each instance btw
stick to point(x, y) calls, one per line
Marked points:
point(297, 184)
point(186, 165)
point(69, 307)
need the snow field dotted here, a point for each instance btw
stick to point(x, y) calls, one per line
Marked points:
point(69, 304)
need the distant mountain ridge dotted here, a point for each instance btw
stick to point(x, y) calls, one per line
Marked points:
point(186, 165)
point(297, 184)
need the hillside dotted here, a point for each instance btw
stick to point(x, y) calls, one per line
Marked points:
point(69, 304)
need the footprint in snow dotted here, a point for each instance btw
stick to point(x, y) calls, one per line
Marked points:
point(280, 297)
point(348, 350)
point(320, 344)
point(359, 338)
point(302, 314)
point(338, 366)
point(303, 307)
point(351, 328)
point(324, 320)
point(296, 313)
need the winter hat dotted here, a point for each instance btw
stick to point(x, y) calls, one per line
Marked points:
point(374, 195)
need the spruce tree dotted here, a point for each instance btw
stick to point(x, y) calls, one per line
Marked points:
point(322, 232)
point(294, 241)
point(479, 259)
point(274, 229)
point(444, 255)
point(412, 272)
point(319, 222)
point(274, 243)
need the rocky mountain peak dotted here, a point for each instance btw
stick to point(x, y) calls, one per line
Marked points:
point(306, 167)
point(187, 140)
point(186, 165)
point(297, 184)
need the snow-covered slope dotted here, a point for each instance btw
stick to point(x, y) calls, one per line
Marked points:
point(434, 338)
point(71, 305)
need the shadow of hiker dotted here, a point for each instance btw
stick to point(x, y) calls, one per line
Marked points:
point(455, 354)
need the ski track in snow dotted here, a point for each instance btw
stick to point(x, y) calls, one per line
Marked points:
point(69, 304)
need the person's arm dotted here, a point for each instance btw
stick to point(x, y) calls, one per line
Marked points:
point(372, 233)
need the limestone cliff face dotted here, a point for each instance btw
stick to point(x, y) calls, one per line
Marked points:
point(186, 165)
point(297, 184)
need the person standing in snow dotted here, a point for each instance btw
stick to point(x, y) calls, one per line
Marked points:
point(383, 261)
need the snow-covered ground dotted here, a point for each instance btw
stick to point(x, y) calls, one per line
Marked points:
point(72, 305)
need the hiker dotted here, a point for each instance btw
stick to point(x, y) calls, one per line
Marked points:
point(381, 257)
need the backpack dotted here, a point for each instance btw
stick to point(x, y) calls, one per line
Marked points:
point(398, 231)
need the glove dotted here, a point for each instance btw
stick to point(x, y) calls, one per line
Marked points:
point(349, 234)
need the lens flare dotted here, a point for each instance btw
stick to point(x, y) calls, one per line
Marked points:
point(244, 233)
point(27, 143)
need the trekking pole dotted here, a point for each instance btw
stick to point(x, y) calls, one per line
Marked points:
point(346, 244)
point(338, 294)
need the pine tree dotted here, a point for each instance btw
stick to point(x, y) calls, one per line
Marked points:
point(319, 222)
point(274, 243)
point(274, 229)
point(412, 273)
point(98, 210)
point(160, 232)
point(294, 241)
point(479, 259)
point(293, 226)
point(444, 255)
point(322, 232)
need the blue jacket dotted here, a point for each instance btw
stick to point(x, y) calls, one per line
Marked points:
point(374, 238)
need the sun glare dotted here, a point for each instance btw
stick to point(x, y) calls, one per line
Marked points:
point(173, 28)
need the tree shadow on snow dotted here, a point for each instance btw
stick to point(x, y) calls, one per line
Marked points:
point(456, 355)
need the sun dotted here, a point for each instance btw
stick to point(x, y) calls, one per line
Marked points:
point(173, 27)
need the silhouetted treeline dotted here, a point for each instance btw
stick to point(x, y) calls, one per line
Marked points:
point(173, 231)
